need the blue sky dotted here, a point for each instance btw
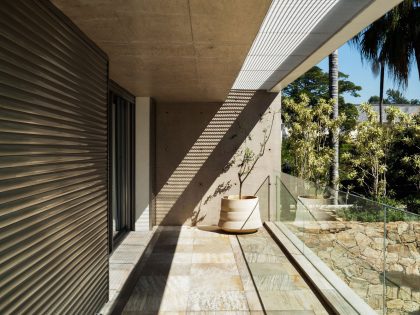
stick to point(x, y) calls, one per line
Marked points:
point(361, 74)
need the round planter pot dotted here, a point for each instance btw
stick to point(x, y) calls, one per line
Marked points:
point(240, 215)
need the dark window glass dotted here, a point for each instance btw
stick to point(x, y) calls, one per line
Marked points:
point(122, 165)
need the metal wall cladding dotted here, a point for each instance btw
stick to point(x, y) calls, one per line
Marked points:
point(53, 164)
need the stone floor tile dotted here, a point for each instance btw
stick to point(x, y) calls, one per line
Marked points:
point(272, 269)
point(247, 282)
point(212, 283)
point(174, 301)
point(164, 269)
point(214, 258)
point(174, 248)
point(281, 301)
point(212, 248)
point(217, 301)
point(143, 301)
point(112, 293)
point(167, 228)
point(254, 302)
point(265, 258)
point(174, 240)
point(186, 233)
point(311, 302)
point(161, 283)
point(205, 271)
point(221, 313)
point(118, 275)
point(169, 300)
point(175, 258)
point(290, 312)
point(211, 241)
point(209, 231)
point(292, 300)
point(126, 254)
point(137, 238)
point(261, 249)
point(278, 282)
point(216, 270)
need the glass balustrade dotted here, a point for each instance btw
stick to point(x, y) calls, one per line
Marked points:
point(372, 247)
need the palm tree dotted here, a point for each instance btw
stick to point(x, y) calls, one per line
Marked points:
point(333, 89)
point(392, 42)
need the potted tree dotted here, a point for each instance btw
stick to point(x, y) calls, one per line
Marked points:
point(240, 213)
point(308, 127)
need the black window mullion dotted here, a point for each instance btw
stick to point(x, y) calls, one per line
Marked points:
point(122, 160)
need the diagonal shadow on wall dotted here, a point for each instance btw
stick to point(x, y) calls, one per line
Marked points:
point(183, 189)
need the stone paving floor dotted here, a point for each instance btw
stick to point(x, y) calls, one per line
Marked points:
point(281, 288)
point(203, 271)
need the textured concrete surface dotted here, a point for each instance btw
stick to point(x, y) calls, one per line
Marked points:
point(197, 155)
point(202, 270)
point(176, 50)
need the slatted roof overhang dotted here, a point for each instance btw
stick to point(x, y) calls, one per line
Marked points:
point(297, 34)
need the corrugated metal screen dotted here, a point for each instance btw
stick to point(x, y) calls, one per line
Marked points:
point(53, 164)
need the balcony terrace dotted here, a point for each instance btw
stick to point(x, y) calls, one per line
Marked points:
point(308, 260)
point(196, 270)
point(120, 128)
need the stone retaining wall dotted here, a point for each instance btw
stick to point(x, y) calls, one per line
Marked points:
point(355, 252)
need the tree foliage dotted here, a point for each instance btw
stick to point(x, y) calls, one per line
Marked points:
point(372, 148)
point(396, 97)
point(393, 97)
point(246, 158)
point(405, 160)
point(315, 84)
point(393, 41)
point(308, 130)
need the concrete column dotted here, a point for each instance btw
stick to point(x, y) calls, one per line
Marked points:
point(143, 164)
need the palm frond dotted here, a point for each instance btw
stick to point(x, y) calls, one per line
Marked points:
point(393, 41)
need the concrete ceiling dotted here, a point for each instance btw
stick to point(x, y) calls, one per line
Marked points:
point(172, 50)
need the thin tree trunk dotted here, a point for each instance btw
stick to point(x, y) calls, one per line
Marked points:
point(375, 185)
point(333, 87)
point(381, 93)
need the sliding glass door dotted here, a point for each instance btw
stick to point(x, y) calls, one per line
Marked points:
point(122, 162)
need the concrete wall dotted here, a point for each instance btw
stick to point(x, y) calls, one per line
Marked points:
point(196, 145)
point(143, 163)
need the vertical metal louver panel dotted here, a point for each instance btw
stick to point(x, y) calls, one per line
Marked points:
point(53, 164)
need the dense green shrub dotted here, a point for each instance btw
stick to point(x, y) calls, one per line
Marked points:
point(356, 213)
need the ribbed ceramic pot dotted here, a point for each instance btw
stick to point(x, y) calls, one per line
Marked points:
point(240, 215)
